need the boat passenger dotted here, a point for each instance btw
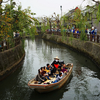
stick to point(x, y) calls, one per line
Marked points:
point(43, 71)
point(44, 74)
point(64, 66)
point(61, 64)
point(63, 69)
point(48, 67)
point(52, 71)
point(55, 63)
point(39, 77)
point(59, 77)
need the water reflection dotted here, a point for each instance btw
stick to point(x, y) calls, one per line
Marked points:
point(84, 85)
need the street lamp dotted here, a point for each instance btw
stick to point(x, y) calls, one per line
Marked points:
point(61, 10)
point(61, 14)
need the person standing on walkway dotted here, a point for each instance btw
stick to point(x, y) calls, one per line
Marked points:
point(95, 31)
point(14, 34)
point(92, 32)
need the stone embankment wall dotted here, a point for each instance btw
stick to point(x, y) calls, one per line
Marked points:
point(10, 60)
point(90, 49)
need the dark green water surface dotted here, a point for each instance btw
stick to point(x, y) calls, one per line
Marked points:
point(84, 84)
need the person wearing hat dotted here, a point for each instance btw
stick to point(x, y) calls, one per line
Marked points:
point(56, 58)
point(55, 63)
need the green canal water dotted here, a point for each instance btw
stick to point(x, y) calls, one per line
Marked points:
point(84, 84)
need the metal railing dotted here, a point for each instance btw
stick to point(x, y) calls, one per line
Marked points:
point(5, 45)
point(90, 37)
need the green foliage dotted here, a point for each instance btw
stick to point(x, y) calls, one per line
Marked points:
point(52, 34)
point(62, 33)
point(43, 28)
point(83, 36)
point(80, 22)
point(14, 19)
point(45, 25)
point(71, 37)
point(98, 13)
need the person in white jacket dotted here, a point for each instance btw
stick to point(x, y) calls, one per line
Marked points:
point(59, 77)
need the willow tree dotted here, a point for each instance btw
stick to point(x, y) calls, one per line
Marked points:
point(45, 24)
point(98, 12)
point(80, 21)
point(93, 13)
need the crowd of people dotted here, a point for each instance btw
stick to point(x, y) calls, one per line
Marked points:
point(93, 30)
point(50, 70)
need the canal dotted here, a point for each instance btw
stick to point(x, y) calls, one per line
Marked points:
point(84, 84)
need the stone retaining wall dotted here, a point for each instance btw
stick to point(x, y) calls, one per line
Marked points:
point(11, 60)
point(90, 49)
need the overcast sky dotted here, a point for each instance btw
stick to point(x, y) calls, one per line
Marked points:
point(48, 7)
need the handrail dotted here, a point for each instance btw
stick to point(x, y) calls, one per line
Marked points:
point(5, 45)
point(90, 37)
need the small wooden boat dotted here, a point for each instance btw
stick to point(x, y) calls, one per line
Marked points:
point(45, 87)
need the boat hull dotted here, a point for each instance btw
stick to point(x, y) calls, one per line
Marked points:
point(55, 87)
point(42, 88)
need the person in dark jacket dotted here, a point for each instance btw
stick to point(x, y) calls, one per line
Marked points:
point(55, 64)
point(61, 64)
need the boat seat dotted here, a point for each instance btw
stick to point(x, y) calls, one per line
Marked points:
point(49, 81)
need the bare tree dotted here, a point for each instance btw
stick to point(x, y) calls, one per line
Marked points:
point(1, 1)
point(96, 1)
point(6, 1)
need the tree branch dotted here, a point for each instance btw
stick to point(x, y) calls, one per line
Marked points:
point(96, 1)
point(5, 1)
point(0, 2)
point(4, 22)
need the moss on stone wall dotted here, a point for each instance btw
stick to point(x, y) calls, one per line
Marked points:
point(10, 57)
point(89, 48)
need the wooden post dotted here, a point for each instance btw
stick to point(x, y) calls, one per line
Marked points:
point(0, 46)
point(97, 38)
point(90, 37)
point(94, 37)
point(15, 41)
point(6, 45)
